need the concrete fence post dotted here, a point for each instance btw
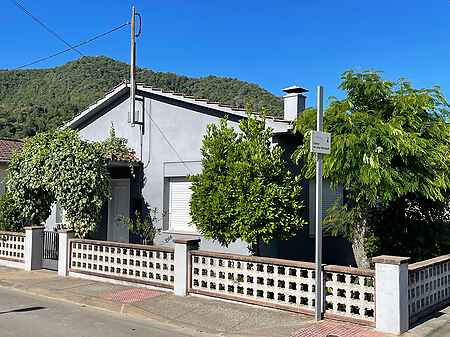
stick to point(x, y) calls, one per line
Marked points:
point(182, 270)
point(64, 251)
point(34, 238)
point(391, 294)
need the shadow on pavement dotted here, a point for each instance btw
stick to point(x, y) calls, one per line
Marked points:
point(22, 310)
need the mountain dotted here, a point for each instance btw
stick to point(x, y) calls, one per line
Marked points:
point(42, 99)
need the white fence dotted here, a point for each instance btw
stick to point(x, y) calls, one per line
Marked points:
point(12, 247)
point(391, 297)
point(151, 265)
point(350, 293)
point(428, 286)
point(283, 284)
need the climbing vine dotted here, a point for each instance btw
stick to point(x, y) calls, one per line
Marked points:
point(59, 167)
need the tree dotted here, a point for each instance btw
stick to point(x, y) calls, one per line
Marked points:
point(390, 141)
point(59, 167)
point(244, 190)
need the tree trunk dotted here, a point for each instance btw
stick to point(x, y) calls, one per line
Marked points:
point(359, 251)
point(256, 249)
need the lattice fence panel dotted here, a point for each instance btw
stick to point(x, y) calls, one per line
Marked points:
point(429, 286)
point(135, 263)
point(350, 292)
point(12, 246)
point(254, 280)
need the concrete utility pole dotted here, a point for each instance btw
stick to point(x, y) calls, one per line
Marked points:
point(131, 113)
point(319, 298)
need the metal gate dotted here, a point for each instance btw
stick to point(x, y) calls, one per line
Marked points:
point(50, 249)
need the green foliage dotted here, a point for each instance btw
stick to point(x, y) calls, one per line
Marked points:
point(389, 141)
point(411, 226)
point(143, 225)
point(59, 167)
point(10, 215)
point(44, 99)
point(244, 190)
point(116, 148)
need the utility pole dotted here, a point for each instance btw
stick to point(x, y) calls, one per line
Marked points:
point(318, 315)
point(320, 144)
point(131, 113)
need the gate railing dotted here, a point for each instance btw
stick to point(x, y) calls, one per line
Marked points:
point(50, 246)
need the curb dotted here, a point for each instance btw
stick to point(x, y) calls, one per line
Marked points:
point(122, 309)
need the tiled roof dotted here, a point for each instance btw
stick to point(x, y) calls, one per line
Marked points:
point(7, 147)
point(278, 124)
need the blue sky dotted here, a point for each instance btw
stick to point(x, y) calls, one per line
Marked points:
point(272, 43)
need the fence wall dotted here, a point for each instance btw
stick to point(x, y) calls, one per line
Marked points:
point(428, 286)
point(284, 284)
point(350, 293)
point(12, 249)
point(404, 293)
point(151, 265)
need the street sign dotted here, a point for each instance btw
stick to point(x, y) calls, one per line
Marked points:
point(320, 142)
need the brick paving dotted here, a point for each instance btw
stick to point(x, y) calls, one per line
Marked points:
point(131, 295)
point(336, 329)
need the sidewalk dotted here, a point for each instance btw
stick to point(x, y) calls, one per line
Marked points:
point(195, 313)
point(201, 316)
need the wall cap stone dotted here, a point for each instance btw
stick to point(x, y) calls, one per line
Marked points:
point(34, 227)
point(66, 231)
point(388, 259)
point(187, 241)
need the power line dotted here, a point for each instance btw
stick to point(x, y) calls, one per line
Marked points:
point(169, 143)
point(69, 49)
point(48, 29)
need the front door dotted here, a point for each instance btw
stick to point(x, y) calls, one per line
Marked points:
point(118, 205)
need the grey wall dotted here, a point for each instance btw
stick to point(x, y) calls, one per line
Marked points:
point(170, 147)
point(170, 144)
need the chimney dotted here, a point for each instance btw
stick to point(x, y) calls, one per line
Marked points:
point(294, 102)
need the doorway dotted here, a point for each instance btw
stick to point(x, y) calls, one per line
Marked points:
point(118, 205)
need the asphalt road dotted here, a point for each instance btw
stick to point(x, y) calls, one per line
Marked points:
point(22, 315)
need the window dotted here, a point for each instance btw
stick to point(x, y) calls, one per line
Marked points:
point(329, 198)
point(179, 205)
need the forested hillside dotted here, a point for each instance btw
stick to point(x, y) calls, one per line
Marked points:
point(42, 99)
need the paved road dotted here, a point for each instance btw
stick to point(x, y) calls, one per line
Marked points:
point(22, 315)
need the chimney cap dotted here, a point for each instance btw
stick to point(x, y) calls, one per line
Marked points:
point(294, 89)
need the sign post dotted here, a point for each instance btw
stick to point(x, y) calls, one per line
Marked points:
point(320, 144)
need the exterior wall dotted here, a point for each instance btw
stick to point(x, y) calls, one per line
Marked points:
point(169, 147)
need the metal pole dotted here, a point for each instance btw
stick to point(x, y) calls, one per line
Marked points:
point(319, 298)
point(131, 113)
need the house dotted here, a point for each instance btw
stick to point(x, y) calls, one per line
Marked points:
point(7, 147)
point(167, 136)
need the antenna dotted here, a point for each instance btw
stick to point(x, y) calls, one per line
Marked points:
point(132, 112)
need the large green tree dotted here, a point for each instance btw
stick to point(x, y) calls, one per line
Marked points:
point(390, 148)
point(244, 190)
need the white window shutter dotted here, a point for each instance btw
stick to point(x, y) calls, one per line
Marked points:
point(179, 205)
